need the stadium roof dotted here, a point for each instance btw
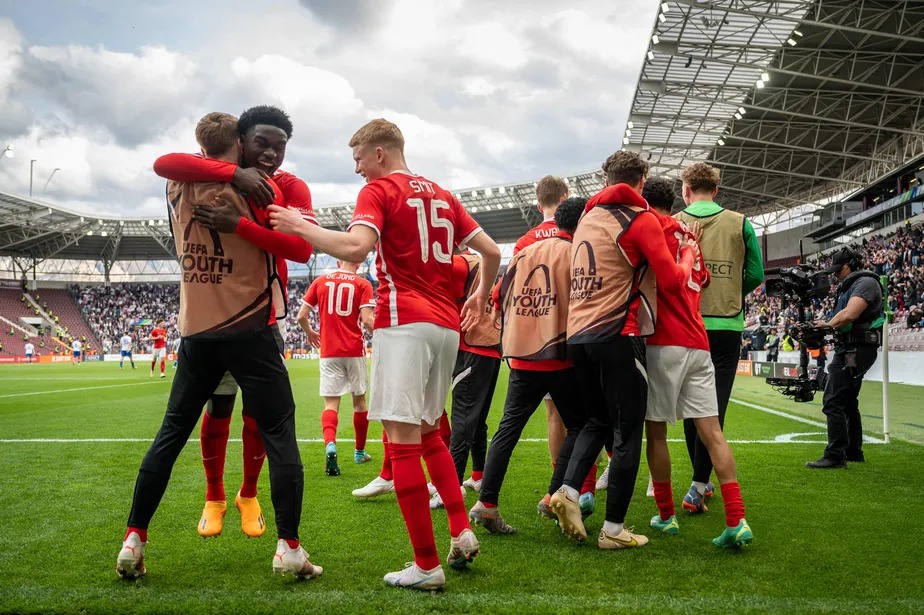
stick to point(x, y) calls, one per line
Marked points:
point(795, 100)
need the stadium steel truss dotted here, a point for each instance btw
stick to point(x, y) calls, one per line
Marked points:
point(798, 102)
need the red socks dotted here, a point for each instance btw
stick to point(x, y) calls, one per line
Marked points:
point(734, 505)
point(386, 472)
point(213, 439)
point(254, 456)
point(445, 429)
point(361, 428)
point(162, 364)
point(414, 501)
point(664, 498)
point(329, 426)
point(293, 544)
point(142, 534)
point(443, 476)
point(476, 475)
point(590, 481)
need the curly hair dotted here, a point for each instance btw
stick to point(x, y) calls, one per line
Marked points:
point(569, 212)
point(625, 168)
point(700, 177)
point(659, 192)
point(265, 114)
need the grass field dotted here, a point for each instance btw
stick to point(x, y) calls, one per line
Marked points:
point(71, 440)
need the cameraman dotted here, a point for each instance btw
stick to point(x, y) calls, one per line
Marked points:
point(858, 317)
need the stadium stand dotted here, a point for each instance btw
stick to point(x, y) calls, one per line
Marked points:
point(114, 310)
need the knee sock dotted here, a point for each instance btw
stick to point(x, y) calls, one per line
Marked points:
point(162, 364)
point(213, 439)
point(590, 482)
point(361, 427)
point(664, 498)
point(445, 429)
point(414, 501)
point(734, 505)
point(443, 476)
point(254, 456)
point(329, 426)
point(386, 472)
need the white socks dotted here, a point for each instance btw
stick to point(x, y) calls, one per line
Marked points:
point(700, 487)
point(613, 529)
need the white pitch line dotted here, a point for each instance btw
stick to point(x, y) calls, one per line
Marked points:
point(105, 386)
point(320, 441)
point(800, 419)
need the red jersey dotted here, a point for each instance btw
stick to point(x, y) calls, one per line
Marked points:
point(418, 224)
point(162, 341)
point(546, 229)
point(339, 296)
point(460, 274)
point(679, 322)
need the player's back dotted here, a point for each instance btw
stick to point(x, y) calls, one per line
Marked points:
point(418, 223)
point(340, 296)
point(126, 342)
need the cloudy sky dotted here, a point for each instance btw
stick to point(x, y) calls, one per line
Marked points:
point(486, 91)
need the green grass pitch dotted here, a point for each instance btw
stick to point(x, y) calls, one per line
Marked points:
point(836, 541)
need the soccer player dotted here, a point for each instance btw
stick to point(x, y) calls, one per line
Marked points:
point(343, 300)
point(159, 336)
point(76, 347)
point(416, 225)
point(29, 349)
point(226, 313)
point(618, 252)
point(681, 382)
point(264, 133)
point(533, 302)
point(733, 257)
point(126, 343)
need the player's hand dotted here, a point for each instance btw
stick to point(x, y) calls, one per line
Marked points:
point(286, 220)
point(314, 338)
point(693, 245)
point(222, 218)
point(472, 311)
point(252, 182)
point(696, 229)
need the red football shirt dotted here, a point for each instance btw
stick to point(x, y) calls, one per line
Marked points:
point(162, 342)
point(459, 278)
point(418, 224)
point(339, 296)
point(546, 229)
point(679, 322)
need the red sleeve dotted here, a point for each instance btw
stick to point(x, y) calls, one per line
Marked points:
point(370, 208)
point(311, 297)
point(365, 295)
point(495, 294)
point(194, 168)
point(519, 245)
point(465, 225)
point(645, 237)
point(289, 247)
point(298, 196)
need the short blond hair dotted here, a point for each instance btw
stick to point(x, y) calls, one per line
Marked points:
point(624, 167)
point(216, 133)
point(379, 133)
point(700, 177)
point(551, 191)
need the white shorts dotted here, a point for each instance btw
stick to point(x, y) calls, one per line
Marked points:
point(160, 353)
point(342, 375)
point(411, 372)
point(681, 384)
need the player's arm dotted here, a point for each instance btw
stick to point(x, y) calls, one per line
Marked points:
point(195, 168)
point(753, 261)
point(298, 196)
point(352, 246)
point(302, 318)
point(309, 302)
point(646, 236)
point(367, 317)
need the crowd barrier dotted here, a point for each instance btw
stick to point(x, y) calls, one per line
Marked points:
point(904, 367)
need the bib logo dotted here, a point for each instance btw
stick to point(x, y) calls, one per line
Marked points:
point(584, 278)
point(720, 269)
point(200, 268)
point(536, 302)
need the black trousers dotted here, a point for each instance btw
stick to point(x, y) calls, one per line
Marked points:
point(724, 346)
point(259, 369)
point(841, 404)
point(525, 391)
point(614, 385)
point(474, 379)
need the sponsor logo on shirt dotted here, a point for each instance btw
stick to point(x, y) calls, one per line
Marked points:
point(536, 302)
point(584, 278)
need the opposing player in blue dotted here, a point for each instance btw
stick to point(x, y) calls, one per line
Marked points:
point(126, 344)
